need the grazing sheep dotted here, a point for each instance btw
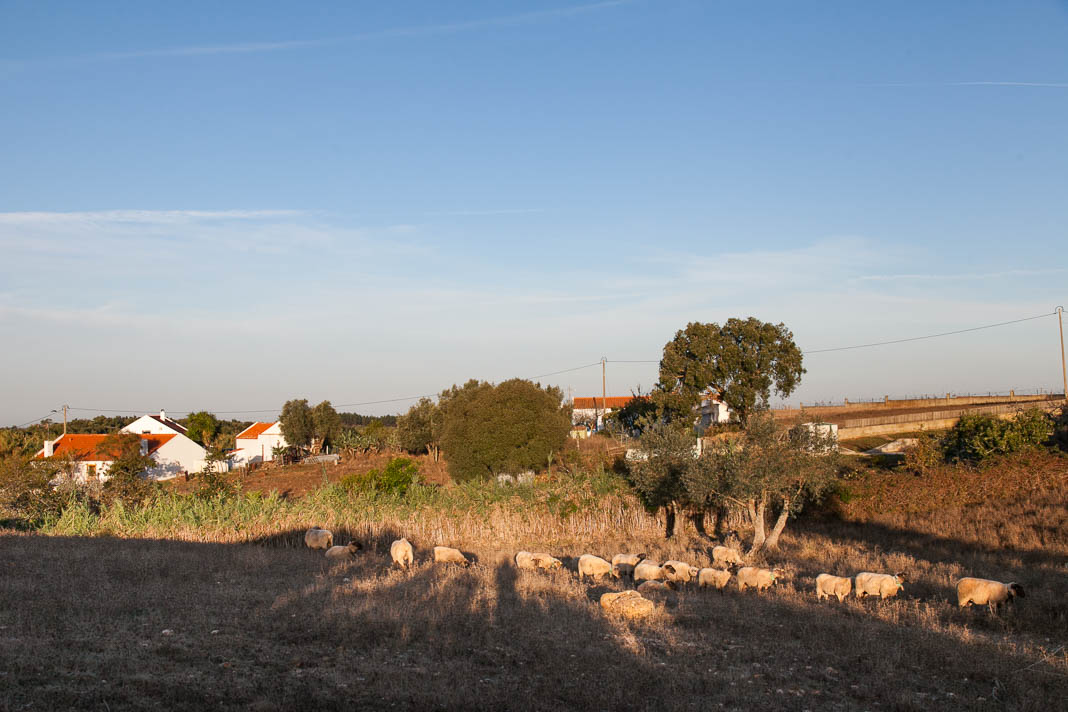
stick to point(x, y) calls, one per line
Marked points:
point(546, 561)
point(656, 587)
point(448, 555)
point(344, 552)
point(881, 585)
point(984, 591)
point(648, 570)
point(316, 538)
point(525, 560)
point(713, 577)
point(679, 571)
point(625, 563)
point(726, 555)
point(629, 604)
point(828, 585)
point(759, 579)
point(595, 567)
point(402, 553)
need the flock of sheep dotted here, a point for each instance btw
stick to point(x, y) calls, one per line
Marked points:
point(651, 577)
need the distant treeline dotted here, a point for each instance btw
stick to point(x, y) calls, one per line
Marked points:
point(353, 420)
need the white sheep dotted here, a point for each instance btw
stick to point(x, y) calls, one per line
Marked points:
point(625, 563)
point(344, 552)
point(525, 560)
point(448, 555)
point(316, 538)
point(759, 579)
point(828, 585)
point(713, 577)
point(726, 555)
point(881, 585)
point(402, 553)
point(986, 592)
point(648, 570)
point(595, 567)
point(546, 561)
point(679, 571)
point(653, 588)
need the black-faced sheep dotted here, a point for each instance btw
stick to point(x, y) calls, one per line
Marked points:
point(986, 592)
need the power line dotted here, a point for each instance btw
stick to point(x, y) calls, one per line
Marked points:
point(580, 368)
point(930, 336)
point(35, 420)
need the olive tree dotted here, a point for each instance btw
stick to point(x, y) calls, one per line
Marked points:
point(307, 427)
point(767, 469)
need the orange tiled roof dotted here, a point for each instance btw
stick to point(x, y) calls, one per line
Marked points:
point(253, 431)
point(600, 403)
point(86, 447)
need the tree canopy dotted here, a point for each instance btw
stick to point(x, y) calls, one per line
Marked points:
point(739, 363)
point(514, 426)
point(304, 426)
point(201, 427)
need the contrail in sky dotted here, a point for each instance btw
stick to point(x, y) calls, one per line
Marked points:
point(414, 31)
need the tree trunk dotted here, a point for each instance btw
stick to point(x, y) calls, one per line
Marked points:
point(697, 517)
point(756, 513)
point(780, 524)
point(719, 523)
point(669, 521)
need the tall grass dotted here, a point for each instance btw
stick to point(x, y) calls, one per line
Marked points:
point(565, 509)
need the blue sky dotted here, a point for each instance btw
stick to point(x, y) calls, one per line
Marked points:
point(226, 205)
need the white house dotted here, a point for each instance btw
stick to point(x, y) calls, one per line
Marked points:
point(593, 410)
point(155, 425)
point(712, 411)
point(257, 442)
point(173, 454)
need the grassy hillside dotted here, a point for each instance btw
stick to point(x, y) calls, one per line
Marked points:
point(257, 621)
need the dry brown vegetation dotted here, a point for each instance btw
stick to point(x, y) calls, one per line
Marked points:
point(82, 619)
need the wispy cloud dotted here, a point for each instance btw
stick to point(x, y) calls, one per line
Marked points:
point(980, 83)
point(286, 45)
point(480, 213)
point(968, 276)
point(139, 216)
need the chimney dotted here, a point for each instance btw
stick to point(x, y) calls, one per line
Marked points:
point(144, 446)
point(162, 414)
point(49, 448)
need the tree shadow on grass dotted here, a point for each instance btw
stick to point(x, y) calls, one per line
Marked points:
point(84, 625)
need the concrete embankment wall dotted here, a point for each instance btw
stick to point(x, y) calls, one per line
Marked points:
point(932, 420)
point(891, 404)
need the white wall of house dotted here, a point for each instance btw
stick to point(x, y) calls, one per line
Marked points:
point(260, 448)
point(149, 424)
point(177, 456)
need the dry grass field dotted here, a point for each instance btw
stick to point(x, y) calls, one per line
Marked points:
point(117, 623)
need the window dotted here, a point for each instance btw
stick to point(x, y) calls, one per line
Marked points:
point(90, 472)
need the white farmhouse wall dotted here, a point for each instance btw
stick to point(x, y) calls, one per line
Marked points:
point(148, 424)
point(176, 456)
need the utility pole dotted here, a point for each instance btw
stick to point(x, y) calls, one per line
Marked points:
point(604, 390)
point(65, 419)
point(1064, 373)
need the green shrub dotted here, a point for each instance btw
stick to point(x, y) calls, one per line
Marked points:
point(396, 477)
point(212, 484)
point(978, 437)
point(26, 490)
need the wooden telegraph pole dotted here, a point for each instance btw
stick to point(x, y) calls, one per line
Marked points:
point(1064, 373)
point(604, 390)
